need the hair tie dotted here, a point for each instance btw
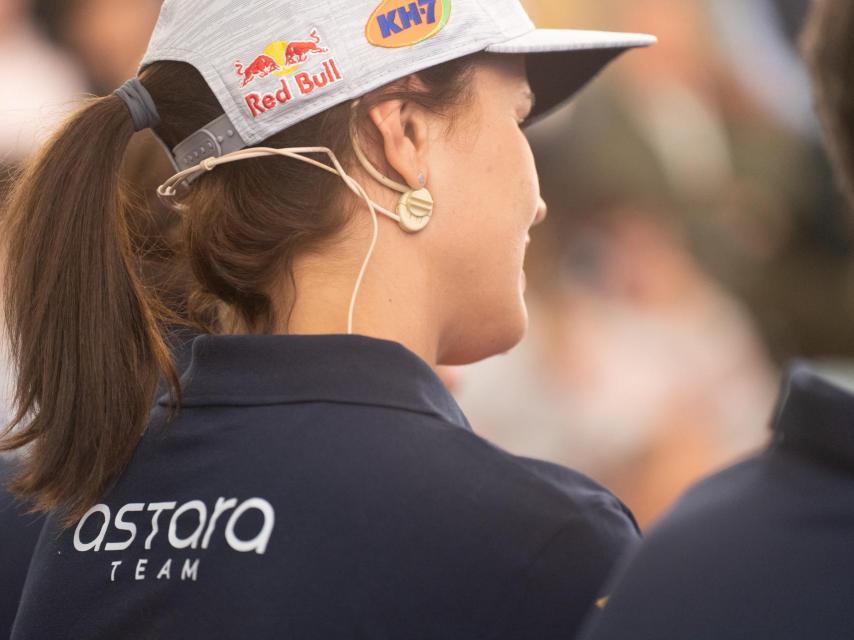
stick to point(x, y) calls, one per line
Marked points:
point(141, 105)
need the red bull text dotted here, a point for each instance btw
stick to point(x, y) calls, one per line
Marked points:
point(281, 59)
point(306, 84)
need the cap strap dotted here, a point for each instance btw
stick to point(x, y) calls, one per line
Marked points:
point(215, 139)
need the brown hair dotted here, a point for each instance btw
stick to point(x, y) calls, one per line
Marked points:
point(828, 45)
point(87, 333)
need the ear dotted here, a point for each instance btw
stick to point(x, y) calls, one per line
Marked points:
point(403, 129)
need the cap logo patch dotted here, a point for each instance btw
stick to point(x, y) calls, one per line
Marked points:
point(281, 59)
point(403, 23)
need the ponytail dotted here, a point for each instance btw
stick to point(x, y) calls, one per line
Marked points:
point(84, 334)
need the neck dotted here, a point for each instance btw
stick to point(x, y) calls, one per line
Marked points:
point(393, 303)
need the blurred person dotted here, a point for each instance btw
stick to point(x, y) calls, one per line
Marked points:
point(763, 549)
point(105, 37)
point(295, 465)
point(697, 141)
point(40, 86)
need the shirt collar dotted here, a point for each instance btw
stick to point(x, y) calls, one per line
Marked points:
point(280, 369)
point(816, 416)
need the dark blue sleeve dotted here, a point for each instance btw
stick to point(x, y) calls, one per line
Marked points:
point(568, 576)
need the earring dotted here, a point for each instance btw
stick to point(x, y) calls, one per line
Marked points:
point(415, 207)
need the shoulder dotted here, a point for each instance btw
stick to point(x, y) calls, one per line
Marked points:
point(563, 532)
point(460, 458)
point(567, 573)
point(417, 449)
point(385, 456)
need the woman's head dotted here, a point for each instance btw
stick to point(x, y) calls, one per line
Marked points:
point(271, 244)
point(454, 287)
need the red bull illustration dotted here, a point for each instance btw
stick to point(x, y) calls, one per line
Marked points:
point(298, 52)
point(262, 66)
point(283, 58)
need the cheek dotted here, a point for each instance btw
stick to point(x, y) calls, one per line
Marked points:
point(486, 197)
point(499, 177)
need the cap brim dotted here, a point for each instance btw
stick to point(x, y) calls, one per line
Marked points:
point(565, 60)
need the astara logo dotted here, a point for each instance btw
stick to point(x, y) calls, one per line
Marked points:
point(403, 23)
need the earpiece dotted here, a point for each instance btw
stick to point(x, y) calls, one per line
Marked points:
point(413, 211)
point(415, 207)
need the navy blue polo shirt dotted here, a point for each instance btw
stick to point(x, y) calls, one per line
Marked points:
point(325, 486)
point(764, 549)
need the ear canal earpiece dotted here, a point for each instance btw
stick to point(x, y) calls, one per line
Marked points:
point(415, 207)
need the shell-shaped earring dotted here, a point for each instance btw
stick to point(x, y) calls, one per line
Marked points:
point(415, 207)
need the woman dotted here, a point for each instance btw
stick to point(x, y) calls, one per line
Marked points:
point(299, 481)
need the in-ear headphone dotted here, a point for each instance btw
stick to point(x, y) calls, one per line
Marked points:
point(415, 207)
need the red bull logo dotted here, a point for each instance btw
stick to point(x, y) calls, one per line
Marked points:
point(262, 66)
point(298, 52)
point(282, 59)
point(306, 84)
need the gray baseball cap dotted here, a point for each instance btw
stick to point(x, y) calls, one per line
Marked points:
point(273, 63)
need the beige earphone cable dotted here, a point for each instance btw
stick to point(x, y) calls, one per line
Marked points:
point(167, 191)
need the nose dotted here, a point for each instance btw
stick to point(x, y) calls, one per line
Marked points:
point(542, 212)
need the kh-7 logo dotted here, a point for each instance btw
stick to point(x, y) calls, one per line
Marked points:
point(403, 23)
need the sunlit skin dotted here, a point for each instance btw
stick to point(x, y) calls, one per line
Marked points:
point(452, 293)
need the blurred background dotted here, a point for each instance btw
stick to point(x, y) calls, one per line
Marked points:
point(695, 242)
